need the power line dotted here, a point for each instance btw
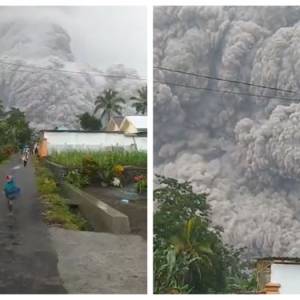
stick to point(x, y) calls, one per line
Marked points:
point(225, 91)
point(96, 74)
point(221, 79)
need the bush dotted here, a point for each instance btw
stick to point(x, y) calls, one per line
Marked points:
point(89, 167)
point(56, 211)
point(141, 183)
point(100, 165)
point(46, 185)
point(73, 159)
point(6, 151)
point(76, 178)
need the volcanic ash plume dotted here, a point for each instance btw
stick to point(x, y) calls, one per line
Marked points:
point(52, 98)
point(244, 151)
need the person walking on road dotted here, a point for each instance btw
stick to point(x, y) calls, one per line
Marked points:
point(11, 192)
point(25, 158)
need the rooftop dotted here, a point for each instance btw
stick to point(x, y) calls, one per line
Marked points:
point(140, 122)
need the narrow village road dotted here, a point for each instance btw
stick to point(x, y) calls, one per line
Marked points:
point(28, 261)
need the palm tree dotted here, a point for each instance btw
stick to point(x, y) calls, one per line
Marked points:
point(141, 100)
point(194, 244)
point(110, 103)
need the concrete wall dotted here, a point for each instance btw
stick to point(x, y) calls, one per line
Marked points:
point(59, 141)
point(102, 216)
point(99, 214)
point(288, 276)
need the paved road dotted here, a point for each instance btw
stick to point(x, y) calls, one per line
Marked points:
point(28, 261)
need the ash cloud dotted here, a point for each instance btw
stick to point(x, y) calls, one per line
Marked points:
point(44, 37)
point(244, 151)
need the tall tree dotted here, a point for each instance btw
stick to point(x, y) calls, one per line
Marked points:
point(19, 130)
point(110, 103)
point(89, 122)
point(189, 254)
point(140, 104)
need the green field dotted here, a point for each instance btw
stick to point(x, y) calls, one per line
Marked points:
point(73, 159)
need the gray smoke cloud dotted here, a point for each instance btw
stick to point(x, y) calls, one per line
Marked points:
point(31, 38)
point(244, 151)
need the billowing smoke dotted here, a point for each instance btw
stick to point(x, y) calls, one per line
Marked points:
point(244, 151)
point(52, 98)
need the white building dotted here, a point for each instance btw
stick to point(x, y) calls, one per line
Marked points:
point(279, 275)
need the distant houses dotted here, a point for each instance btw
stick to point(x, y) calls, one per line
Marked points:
point(114, 123)
point(129, 125)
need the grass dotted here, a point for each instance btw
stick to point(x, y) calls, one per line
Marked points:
point(55, 210)
point(73, 159)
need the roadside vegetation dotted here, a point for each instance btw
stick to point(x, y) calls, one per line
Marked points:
point(189, 254)
point(14, 131)
point(74, 158)
point(55, 210)
point(101, 167)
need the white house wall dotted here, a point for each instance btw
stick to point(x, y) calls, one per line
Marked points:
point(58, 141)
point(288, 276)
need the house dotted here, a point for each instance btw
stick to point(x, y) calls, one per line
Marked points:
point(114, 123)
point(59, 140)
point(278, 275)
point(134, 125)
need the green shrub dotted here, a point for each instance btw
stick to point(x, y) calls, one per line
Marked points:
point(99, 165)
point(141, 186)
point(56, 211)
point(76, 178)
point(46, 185)
point(89, 167)
point(6, 151)
point(104, 159)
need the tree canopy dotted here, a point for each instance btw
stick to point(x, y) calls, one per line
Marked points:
point(89, 122)
point(14, 130)
point(140, 103)
point(189, 254)
point(110, 103)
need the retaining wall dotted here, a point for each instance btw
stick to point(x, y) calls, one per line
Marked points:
point(101, 216)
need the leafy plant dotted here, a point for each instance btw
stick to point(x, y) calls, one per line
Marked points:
point(55, 210)
point(14, 131)
point(89, 168)
point(76, 178)
point(89, 122)
point(46, 185)
point(100, 165)
point(140, 103)
point(58, 213)
point(189, 254)
point(105, 159)
point(141, 183)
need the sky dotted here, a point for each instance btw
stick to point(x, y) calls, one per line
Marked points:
point(101, 36)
